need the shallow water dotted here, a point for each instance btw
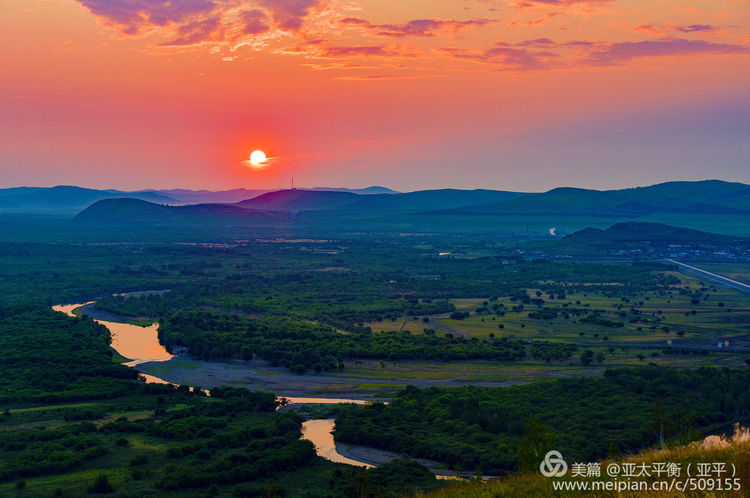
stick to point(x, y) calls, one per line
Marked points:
point(138, 344)
point(319, 432)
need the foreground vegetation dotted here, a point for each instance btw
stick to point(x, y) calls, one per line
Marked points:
point(727, 451)
point(486, 428)
point(74, 421)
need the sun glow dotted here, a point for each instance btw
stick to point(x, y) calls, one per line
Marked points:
point(257, 158)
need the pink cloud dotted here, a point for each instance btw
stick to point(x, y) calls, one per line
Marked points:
point(416, 27)
point(195, 32)
point(191, 22)
point(617, 53)
point(133, 15)
point(504, 56)
point(705, 28)
point(663, 29)
point(254, 22)
point(289, 15)
point(195, 21)
point(544, 53)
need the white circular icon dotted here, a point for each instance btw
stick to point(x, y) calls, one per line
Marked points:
point(553, 465)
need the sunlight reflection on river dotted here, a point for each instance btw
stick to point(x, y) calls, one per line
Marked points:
point(136, 343)
point(141, 345)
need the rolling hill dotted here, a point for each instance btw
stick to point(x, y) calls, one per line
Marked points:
point(708, 205)
point(68, 200)
point(299, 200)
point(709, 196)
point(136, 211)
point(712, 197)
point(185, 196)
point(653, 233)
point(65, 199)
point(644, 241)
point(375, 189)
point(425, 200)
point(421, 200)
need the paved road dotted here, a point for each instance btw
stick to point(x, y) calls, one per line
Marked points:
point(727, 282)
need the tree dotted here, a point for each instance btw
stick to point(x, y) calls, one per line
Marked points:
point(360, 484)
point(537, 441)
point(101, 485)
point(600, 357)
point(586, 357)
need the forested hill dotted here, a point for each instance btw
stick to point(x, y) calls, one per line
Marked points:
point(707, 197)
point(647, 241)
point(655, 233)
point(135, 211)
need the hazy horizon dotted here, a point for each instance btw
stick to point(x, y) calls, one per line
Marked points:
point(360, 187)
point(521, 96)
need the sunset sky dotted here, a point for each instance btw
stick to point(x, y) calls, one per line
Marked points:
point(504, 94)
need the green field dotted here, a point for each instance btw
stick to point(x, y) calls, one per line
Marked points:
point(359, 317)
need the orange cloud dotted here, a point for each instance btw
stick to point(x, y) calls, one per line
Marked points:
point(311, 29)
point(416, 27)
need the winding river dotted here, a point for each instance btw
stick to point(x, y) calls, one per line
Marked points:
point(141, 344)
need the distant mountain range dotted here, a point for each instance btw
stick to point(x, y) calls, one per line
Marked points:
point(65, 199)
point(445, 209)
point(292, 202)
point(69, 200)
point(710, 196)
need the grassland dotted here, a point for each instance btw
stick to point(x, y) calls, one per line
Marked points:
point(719, 312)
point(689, 315)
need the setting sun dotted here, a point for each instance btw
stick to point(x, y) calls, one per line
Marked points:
point(257, 158)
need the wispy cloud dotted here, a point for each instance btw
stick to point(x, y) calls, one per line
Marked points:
point(416, 27)
point(618, 53)
point(544, 53)
point(663, 29)
point(560, 3)
point(312, 29)
point(368, 50)
point(697, 27)
point(504, 56)
point(195, 32)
